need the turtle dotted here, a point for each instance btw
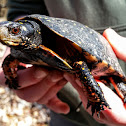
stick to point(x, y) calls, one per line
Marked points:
point(66, 45)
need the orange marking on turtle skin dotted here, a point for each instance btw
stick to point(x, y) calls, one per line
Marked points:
point(92, 94)
point(116, 88)
point(12, 72)
point(52, 53)
point(80, 62)
point(94, 99)
point(49, 50)
point(90, 58)
point(13, 65)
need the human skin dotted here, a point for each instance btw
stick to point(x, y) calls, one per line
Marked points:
point(41, 85)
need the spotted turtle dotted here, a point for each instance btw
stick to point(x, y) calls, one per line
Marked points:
point(65, 45)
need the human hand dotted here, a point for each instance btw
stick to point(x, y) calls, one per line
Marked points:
point(39, 85)
point(116, 116)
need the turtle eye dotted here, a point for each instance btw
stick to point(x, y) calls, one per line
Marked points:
point(15, 30)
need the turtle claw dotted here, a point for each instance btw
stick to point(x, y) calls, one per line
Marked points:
point(97, 107)
point(12, 84)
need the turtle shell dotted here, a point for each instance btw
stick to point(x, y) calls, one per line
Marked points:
point(95, 48)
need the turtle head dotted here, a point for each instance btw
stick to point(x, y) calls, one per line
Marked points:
point(21, 34)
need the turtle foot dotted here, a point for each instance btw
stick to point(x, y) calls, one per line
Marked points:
point(12, 84)
point(97, 107)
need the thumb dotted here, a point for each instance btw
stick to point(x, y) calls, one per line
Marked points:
point(117, 42)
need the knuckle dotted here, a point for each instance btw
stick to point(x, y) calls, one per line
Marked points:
point(25, 96)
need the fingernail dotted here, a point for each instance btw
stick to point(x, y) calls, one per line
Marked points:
point(64, 109)
point(39, 73)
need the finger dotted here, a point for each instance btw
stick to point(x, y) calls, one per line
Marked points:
point(52, 79)
point(117, 42)
point(58, 106)
point(52, 92)
point(36, 91)
point(76, 84)
point(30, 76)
point(71, 78)
point(117, 112)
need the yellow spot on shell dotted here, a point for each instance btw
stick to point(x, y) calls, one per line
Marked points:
point(49, 20)
point(74, 23)
point(63, 30)
point(79, 42)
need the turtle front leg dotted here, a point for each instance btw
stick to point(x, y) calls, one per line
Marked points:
point(94, 93)
point(10, 66)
